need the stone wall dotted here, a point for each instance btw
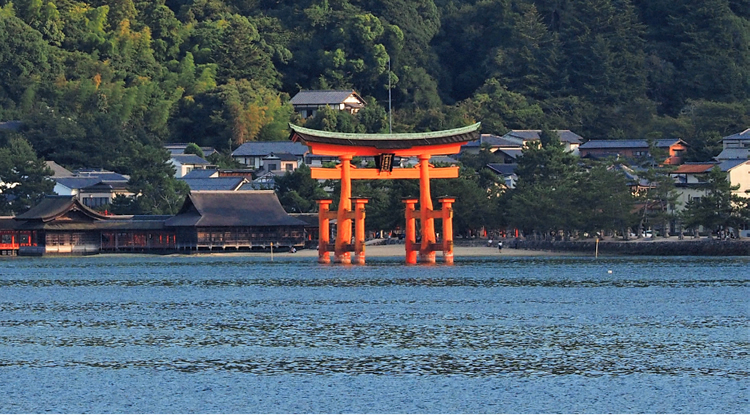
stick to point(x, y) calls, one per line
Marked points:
point(700, 247)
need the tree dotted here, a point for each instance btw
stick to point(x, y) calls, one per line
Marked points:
point(719, 207)
point(606, 201)
point(193, 148)
point(233, 44)
point(500, 109)
point(152, 180)
point(297, 191)
point(24, 178)
point(548, 189)
point(659, 198)
point(24, 58)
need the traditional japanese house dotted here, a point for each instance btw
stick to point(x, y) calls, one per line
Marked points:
point(11, 238)
point(64, 225)
point(235, 220)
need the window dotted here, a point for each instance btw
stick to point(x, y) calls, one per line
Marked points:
point(7, 239)
point(289, 167)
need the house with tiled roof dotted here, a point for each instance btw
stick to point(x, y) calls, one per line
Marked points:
point(307, 103)
point(58, 170)
point(570, 140)
point(509, 147)
point(507, 172)
point(280, 153)
point(185, 163)
point(179, 148)
point(634, 149)
point(736, 147)
point(93, 187)
point(690, 177)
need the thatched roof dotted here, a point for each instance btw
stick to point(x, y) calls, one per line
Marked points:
point(232, 208)
point(53, 207)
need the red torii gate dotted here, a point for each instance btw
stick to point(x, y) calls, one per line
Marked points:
point(385, 147)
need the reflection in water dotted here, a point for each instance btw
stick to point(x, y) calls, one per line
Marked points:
point(679, 325)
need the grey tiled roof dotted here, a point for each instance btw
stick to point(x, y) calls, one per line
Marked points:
point(77, 182)
point(504, 169)
point(190, 159)
point(250, 208)
point(727, 165)
point(744, 135)
point(200, 174)
point(510, 153)
point(566, 136)
point(101, 175)
point(215, 183)
point(321, 97)
point(264, 148)
point(443, 159)
point(606, 144)
point(733, 154)
point(58, 170)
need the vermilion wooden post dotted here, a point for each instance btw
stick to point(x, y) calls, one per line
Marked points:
point(343, 220)
point(324, 235)
point(359, 229)
point(447, 211)
point(384, 147)
point(426, 251)
point(411, 231)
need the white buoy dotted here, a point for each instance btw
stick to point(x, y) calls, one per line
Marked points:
point(609, 271)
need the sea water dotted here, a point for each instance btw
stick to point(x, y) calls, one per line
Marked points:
point(114, 334)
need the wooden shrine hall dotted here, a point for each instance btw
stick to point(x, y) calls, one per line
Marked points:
point(384, 147)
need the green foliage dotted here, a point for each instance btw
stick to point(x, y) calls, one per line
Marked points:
point(96, 82)
point(24, 178)
point(500, 109)
point(152, 180)
point(193, 148)
point(224, 161)
point(297, 191)
point(556, 192)
point(24, 58)
point(719, 207)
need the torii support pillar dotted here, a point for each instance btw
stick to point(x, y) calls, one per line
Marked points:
point(447, 213)
point(342, 254)
point(384, 147)
point(411, 230)
point(359, 229)
point(426, 251)
point(324, 230)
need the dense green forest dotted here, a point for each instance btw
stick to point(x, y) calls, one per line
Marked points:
point(103, 83)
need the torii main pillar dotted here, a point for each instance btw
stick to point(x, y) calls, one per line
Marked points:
point(384, 147)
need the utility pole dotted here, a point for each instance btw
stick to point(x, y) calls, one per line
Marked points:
point(390, 117)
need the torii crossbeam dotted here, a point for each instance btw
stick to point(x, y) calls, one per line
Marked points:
point(385, 147)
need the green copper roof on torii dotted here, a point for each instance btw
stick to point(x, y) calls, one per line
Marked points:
point(394, 140)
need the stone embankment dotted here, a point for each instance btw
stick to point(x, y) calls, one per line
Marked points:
point(666, 247)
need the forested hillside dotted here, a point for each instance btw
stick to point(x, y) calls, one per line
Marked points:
point(104, 83)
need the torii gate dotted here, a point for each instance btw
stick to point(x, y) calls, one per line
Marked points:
point(384, 147)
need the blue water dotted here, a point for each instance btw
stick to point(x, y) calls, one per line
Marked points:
point(114, 334)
